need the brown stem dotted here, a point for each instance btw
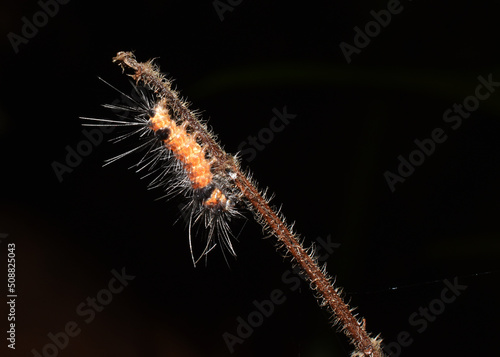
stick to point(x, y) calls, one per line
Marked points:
point(275, 224)
point(321, 282)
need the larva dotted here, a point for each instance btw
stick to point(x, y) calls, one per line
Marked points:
point(180, 158)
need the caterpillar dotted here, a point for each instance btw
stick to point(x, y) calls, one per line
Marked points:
point(179, 153)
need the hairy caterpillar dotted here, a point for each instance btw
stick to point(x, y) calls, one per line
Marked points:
point(178, 155)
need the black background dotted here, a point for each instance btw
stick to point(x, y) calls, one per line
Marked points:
point(326, 168)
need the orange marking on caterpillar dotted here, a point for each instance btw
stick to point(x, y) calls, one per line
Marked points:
point(217, 198)
point(183, 146)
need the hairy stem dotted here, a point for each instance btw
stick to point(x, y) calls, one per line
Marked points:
point(271, 220)
point(319, 280)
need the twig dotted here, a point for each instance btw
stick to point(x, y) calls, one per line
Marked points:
point(271, 220)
